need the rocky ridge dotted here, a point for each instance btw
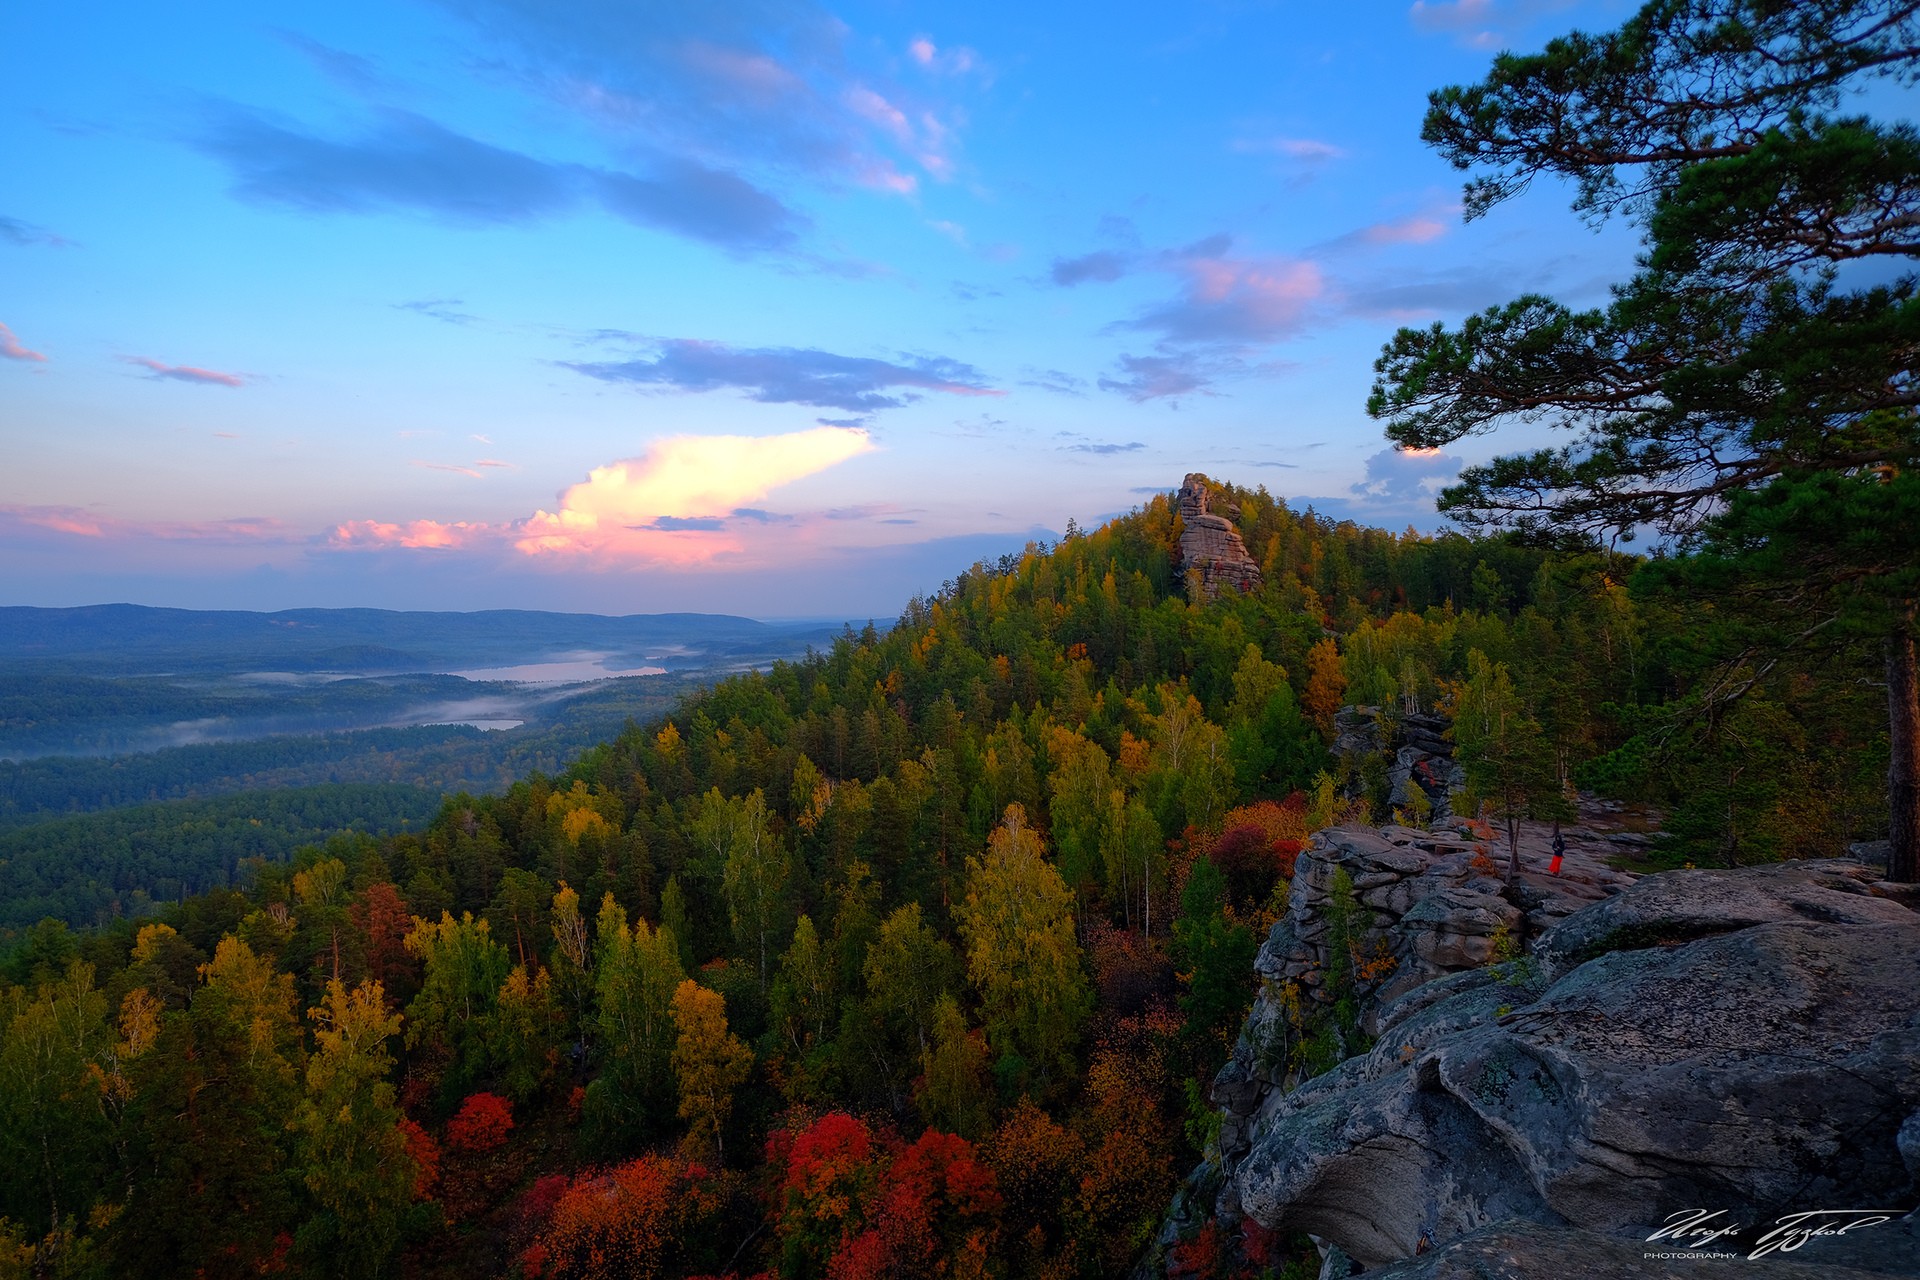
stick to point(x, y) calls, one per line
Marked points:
point(1743, 1040)
point(1210, 545)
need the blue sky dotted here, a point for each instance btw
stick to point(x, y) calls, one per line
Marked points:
point(766, 308)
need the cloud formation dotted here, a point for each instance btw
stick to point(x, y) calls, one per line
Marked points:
point(1102, 265)
point(1233, 299)
point(684, 484)
point(1480, 24)
point(772, 84)
point(1303, 150)
point(441, 309)
point(431, 535)
point(789, 375)
point(11, 349)
point(1158, 377)
point(79, 522)
point(407, 162)
point(1402, 476)
point(186, 372)
point(14, 231)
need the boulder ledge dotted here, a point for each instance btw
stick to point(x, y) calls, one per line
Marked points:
point(1746, 1041)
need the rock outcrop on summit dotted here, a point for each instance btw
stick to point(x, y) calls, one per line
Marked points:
point(1210, 545)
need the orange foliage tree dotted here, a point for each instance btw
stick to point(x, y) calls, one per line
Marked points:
point(633, 1222)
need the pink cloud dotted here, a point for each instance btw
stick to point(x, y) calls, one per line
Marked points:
point(954, 61)
point(10, 347)
point(187, 372)
point(688, 500)
point(671, 502)
point(1236, 299)
point(446, 466)
point(81, 523)
point(876, 110)
point(1414, 230)
point(432, 535)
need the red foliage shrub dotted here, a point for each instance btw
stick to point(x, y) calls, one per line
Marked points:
point(481, 1124)
point(826, 1172)
point(426, 1157)
point(1245, 856)
point(537, 1204)
point(1261, 1246)
point(1199, 1258)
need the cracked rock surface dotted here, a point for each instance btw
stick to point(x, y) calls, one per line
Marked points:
point(1744, 1040)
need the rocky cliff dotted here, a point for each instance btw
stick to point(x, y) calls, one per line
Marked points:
point(1743, 1042)
point(1210, 545)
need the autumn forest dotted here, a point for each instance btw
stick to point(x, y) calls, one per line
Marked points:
point(912, 957)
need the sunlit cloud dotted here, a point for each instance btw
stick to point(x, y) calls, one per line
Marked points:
point(1408, 475)
point(431, 535)
point(186, 372)
point(619, 509)
point(11, 349)
point(1231, 298)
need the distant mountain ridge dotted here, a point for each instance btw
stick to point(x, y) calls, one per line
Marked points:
point(123, 637)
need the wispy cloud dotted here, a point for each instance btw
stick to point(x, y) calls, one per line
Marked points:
point(14, 231)
point(1161, 377)
point(407, 162)
point(1054, 380)
point(1310, 151)
point(351, 70)
point(81, 523)
point(441, 309)
point(11, 349)
point(1481, 24)
point(1230, 298)
point(778, 85)
point(1103, 447)
point(788, 375)
point(1102, 265)
point(186, 372)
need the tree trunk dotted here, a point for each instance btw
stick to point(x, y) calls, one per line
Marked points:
point(1903, 765)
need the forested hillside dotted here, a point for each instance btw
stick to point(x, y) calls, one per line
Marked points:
point(912, 957)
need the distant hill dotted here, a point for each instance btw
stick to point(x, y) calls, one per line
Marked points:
point(126, 639)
